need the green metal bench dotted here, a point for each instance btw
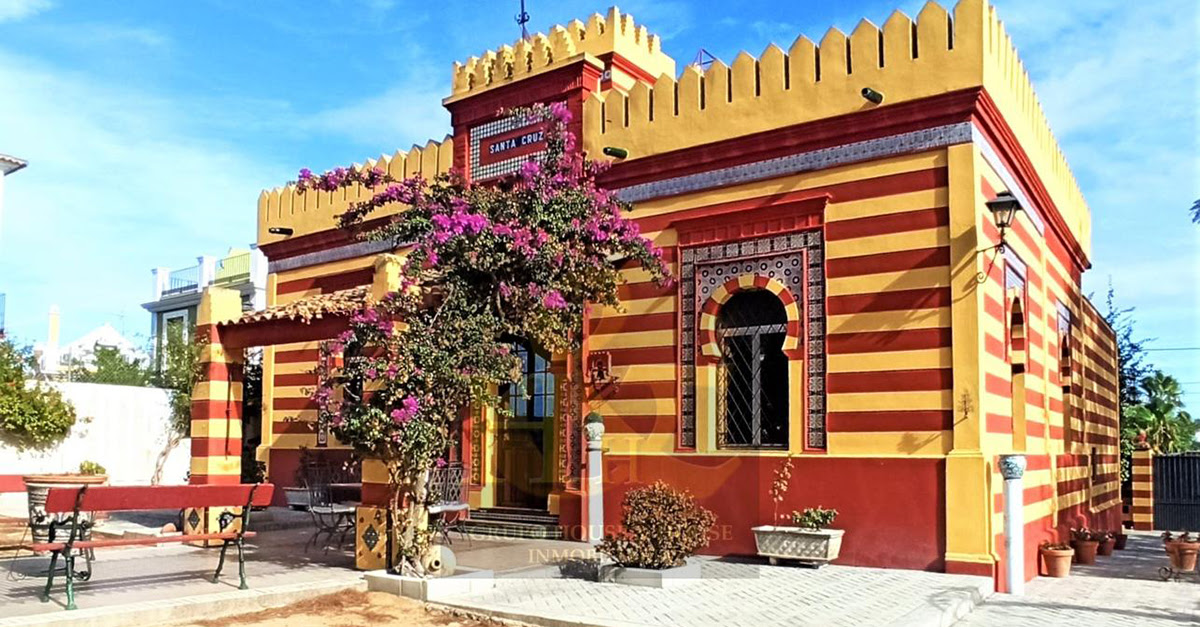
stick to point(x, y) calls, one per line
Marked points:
point(77, 503)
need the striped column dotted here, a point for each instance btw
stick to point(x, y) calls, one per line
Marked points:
point(370, 529)
point(1143, 489)
point(216, 409)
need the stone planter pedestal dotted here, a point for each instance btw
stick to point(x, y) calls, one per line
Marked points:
point(812, 547)
point(690, 572)
point(463, 581)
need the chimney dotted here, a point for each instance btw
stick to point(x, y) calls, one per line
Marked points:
point(50, 353)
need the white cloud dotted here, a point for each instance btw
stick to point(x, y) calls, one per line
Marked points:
point(13, 10)
point(408, 113)
point(119, 181)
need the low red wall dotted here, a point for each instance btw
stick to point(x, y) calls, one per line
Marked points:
point(893, 510)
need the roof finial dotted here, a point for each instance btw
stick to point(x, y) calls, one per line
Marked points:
point(523, 19)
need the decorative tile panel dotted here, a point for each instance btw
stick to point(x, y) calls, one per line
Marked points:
point(794, 259)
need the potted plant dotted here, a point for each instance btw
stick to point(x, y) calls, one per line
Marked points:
point(1057, 558)
point(1086, 543)
point(1182, 550)
point(806, 540)
point(37, 488)
point(662, 528)
point(1121, 538)
point(1107, 542)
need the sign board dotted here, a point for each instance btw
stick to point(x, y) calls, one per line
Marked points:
point(499, 147)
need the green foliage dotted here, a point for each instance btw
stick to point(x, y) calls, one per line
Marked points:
point(111, 366)
point(814, 518)
point(88, 467)
point(179, 368)
point(1167, 427)
point(662, 527)
point(522, 258)
point(32, 415)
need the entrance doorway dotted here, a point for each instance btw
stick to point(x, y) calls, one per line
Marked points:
point(524, 467)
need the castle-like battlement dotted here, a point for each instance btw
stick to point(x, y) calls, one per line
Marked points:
point(315, 211)
point(615, 33)
point(906, 60)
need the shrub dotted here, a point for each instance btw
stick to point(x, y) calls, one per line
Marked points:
point(88, 467)
point(814, 518)
point(34, 416)
point(31, 416)
point(663, 527)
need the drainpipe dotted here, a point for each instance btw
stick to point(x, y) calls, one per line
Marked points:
point(1012, 468)
point(594, 428)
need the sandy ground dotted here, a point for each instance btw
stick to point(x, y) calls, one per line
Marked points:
point(350, 609)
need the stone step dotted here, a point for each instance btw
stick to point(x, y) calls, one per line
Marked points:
point(509, 529)
point(533, 517)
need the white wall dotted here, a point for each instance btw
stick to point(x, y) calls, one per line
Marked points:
point(123, 428)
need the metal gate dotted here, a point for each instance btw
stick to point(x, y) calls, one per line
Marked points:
point(1177, 492)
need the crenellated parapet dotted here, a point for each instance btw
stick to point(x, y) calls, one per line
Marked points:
point(615, 33)
point(937, 53)
point(1007, 82)
point(315, 211)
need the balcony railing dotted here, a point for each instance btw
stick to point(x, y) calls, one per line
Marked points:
point(233, 269)
point(183, 280)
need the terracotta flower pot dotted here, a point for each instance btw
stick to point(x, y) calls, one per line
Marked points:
point(1106, 547)
point(1085, 551)
point(1057, 561)
point(1121, 539)
point(1183, 555)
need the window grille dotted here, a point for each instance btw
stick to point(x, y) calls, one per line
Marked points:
point(753, 392)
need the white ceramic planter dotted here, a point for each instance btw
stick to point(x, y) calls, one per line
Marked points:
point(816, 547)
point(464, 581)
point(651, 578)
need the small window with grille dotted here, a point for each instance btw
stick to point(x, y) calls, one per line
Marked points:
point(753, 381)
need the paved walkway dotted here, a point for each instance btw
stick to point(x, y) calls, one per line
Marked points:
point(276, 562)
point(1120, 590)
point(733, 594)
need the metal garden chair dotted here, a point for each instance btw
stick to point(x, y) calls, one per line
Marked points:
point(329, 517)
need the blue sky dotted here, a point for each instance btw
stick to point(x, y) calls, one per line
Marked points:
point(151, 126)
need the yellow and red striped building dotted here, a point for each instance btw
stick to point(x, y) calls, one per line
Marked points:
point(916, 351)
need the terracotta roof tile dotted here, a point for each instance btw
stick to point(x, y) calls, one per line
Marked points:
point(341, 302)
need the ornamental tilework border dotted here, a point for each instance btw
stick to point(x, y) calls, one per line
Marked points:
point(491, 129)
point(899, 144)
point(782, 257)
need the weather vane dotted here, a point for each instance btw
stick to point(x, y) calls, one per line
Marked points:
point(523, 19)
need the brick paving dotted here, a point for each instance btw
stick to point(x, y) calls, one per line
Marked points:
point(1121, 590)
point(736, 594)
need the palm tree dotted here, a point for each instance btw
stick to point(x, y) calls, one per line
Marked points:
point(1161, 416)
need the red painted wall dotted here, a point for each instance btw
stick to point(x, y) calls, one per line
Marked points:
point(893, 510)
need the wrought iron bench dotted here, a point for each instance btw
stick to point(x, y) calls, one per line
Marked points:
point(447, 499)
point(77, 504)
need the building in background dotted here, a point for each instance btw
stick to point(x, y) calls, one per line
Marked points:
point(854, 291)
point(177, 292)
point(63, 361)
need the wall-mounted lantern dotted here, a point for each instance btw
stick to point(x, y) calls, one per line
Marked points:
point(1004, 208)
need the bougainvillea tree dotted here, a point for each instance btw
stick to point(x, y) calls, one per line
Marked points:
point(521, 257)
